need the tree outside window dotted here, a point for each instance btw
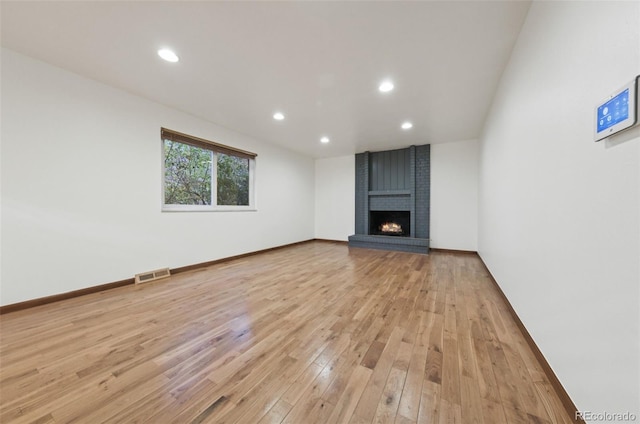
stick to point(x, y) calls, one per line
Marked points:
point(187, 174)
point(199, 177)
point(233, 180)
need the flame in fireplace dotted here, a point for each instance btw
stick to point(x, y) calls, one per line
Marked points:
point(391, 227)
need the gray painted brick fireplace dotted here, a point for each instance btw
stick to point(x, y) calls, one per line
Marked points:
point(393, 180)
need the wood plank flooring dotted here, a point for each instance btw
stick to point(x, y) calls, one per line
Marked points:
point(313, 333)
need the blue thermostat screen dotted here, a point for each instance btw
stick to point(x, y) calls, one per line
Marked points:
point(613, 111)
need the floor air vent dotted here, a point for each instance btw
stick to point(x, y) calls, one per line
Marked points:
point(147, 277)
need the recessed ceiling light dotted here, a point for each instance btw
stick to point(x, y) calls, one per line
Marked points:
point(278, 116)
point(168, 55)
point(407, 125)
point(385, 86)
point(324, 140)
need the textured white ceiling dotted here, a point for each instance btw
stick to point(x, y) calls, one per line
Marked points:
point(318, 62)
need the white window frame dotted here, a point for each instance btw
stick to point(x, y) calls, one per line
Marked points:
point(214, 207)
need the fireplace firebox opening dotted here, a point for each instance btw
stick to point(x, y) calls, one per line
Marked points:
point(390, 223)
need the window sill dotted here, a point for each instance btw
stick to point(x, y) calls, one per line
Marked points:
point(193, 208)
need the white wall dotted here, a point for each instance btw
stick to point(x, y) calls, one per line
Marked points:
point(81, 187)
point(559, 215)
point(454, 195)
point(335, 198)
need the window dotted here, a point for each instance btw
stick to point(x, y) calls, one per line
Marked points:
point(200, 175)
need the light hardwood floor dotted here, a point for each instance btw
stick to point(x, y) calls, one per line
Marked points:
point(313, 333)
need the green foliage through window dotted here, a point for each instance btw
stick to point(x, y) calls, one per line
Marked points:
point(233, 180)
point(188, 176)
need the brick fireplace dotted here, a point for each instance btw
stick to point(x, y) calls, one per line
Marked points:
point(392, 200)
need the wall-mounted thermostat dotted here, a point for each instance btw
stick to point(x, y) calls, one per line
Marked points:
point(617, 112)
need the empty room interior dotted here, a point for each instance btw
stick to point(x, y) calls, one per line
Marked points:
point(320, 212)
